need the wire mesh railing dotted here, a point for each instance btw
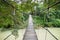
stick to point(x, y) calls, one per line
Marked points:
point(50, 35)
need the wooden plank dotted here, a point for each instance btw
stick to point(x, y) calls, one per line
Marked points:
point(30, 33)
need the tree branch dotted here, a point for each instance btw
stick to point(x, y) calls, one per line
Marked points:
point(8, 3)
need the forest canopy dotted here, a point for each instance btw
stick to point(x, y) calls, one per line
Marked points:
point(46, 13)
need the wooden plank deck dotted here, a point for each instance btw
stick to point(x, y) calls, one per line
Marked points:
point(30, 33)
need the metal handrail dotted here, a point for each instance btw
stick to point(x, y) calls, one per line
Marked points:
point(51, 33)
point(7, 36)
point(51, 6)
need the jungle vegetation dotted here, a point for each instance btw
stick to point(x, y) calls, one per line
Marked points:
point(14, 13)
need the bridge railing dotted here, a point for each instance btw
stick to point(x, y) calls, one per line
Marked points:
point(48, 33)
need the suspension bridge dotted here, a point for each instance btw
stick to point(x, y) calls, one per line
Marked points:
point(31, 34)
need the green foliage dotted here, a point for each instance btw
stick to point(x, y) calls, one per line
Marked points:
point(38, 22)
point(56, 23)
point(7, 19)
point(50, 17)
point(42, 16)
point(5, 15)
